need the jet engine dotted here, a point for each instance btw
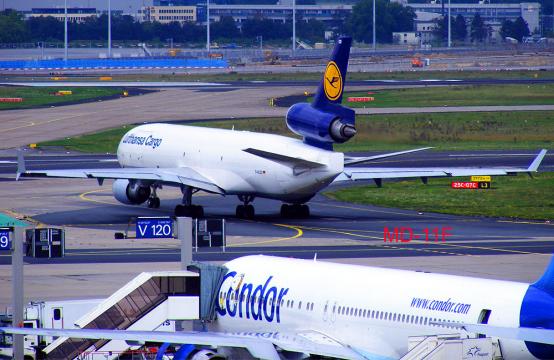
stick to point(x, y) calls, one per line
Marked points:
point(321, 126)
point(205, 354)
point(130, 192)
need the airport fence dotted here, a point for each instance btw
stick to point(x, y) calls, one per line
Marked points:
point(143, 63)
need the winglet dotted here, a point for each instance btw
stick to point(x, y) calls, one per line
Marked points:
point(536, 163)
point(21, 168)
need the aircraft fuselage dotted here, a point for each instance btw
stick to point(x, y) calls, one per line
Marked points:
point(219, 155)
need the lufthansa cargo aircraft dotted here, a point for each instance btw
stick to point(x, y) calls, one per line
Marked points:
point(287, 308)
point(250, 165)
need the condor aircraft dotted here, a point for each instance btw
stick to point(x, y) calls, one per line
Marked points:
point(250, 165)
point(287, 308)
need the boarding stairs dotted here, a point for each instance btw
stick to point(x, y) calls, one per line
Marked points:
point(451, 346)
point(152, 301)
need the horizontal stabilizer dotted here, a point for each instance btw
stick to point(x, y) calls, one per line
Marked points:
point(284, 159)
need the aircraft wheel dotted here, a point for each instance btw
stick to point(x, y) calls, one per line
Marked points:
point(285, 210)
point(249, 211)
point(304, 211)
point(197, 211)
point(240, 211)
point(153, 203)
point(193, 211)
point(180, 211)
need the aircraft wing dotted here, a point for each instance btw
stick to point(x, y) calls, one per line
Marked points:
point(377, 174)
point(260, 345)
point(538, 335)
point(185, 176)
point(348, 160)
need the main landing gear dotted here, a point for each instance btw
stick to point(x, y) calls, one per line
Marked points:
point(245, 211)
point(153, 201)
point(295, 211)
point(187, 209)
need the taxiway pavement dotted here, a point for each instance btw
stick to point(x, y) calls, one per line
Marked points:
point(96, 265)
point(23, 127)
point(335, 229)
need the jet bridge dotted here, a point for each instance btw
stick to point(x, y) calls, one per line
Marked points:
point(152, 301)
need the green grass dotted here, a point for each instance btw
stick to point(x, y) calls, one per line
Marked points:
point(454, 131)
point(100, 142)
point(513, 197)
point(472, 95)
point(316, 76)
point(445, 131)
point(34, 96)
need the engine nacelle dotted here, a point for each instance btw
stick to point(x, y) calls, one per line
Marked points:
point(321, 126)
point(205, 354)
point(128, 192)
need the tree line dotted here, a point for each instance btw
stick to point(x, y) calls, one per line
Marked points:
point(392, 17)
point(479, 31)
point(14, 28)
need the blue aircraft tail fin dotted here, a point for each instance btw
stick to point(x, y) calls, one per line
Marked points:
point(332, 85)
point(325, 121)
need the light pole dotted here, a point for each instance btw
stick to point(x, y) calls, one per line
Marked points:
point(208, 25)
point(449, 30)
point(65, 30)
point(261, 40)
point(109, 28)
point(41, 44)
point(293, 27)
point(374, 34)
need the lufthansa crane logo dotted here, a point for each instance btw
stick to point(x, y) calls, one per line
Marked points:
point(332, 81)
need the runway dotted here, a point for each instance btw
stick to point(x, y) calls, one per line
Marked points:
point(335, 229)
point(222, 85)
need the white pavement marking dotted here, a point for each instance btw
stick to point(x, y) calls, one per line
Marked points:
point(487, 155)
point(160, 84)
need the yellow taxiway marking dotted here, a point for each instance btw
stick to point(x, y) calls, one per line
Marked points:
point(360, 209)
point(378, 245)
point(298, 234)
point(23, 217)
point(39, 123)
point(491, 248)
point(84, 197)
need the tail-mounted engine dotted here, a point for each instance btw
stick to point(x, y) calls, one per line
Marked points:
point(321, 127)
point(325, 121)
